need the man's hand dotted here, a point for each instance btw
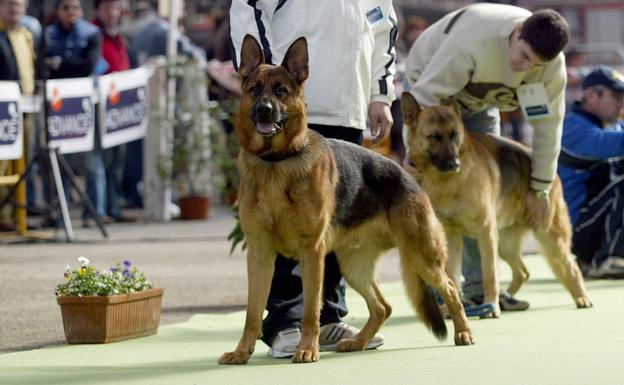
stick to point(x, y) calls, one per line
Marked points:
point(380, 120)
point(537, 209)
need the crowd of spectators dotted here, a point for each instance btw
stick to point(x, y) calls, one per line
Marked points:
point(116, 36)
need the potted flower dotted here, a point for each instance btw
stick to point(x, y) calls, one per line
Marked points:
point(188, 166)
point(100, 306)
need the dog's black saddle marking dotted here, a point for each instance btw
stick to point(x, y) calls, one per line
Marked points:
point(369, 183)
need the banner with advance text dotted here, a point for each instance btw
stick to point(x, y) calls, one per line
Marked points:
point(123, 107)
point(71, 116)
point(11, 131)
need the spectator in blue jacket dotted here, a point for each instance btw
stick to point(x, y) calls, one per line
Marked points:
point(591, 167)
point(74, 45)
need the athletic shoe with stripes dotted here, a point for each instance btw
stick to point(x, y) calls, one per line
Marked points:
point(334, 332)
point(285, 343)
point(611, 268)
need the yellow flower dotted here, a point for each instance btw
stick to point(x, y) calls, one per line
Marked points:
point(82, 271)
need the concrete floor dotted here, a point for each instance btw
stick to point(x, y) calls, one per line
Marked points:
point(190, 259)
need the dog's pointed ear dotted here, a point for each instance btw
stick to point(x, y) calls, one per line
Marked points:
point(454, 104)
point(296, 60)
point(409, 107)
point(251, 56)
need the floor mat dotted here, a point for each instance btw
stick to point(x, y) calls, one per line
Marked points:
point(551, 343)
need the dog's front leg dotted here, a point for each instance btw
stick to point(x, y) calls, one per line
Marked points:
point(455, 247)
point(488, 246)
point(312, 269)
point(260, 267)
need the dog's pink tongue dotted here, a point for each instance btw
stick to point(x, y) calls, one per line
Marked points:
point(264, 128)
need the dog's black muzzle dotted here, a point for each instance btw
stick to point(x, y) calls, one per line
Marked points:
point(268, 119)
point(447, 164)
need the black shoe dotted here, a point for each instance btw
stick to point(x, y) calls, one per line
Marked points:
point(506, 301)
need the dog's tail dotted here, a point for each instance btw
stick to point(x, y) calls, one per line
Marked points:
point(424, 302)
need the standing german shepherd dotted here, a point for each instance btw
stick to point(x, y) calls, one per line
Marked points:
point(477, 184)
point(303, 195)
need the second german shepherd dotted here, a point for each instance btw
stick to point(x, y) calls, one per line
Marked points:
point(477, 184)
point(303, 195)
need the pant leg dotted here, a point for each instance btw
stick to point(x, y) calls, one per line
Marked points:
point(95, 173)
point(614, 226)
point(334, 287)
point(114, 158)
point(285, 302)
point(133, 173)
point(96, 181)
point(484, 121)
point(471, 269)
point(30, 137)
point(598, 231)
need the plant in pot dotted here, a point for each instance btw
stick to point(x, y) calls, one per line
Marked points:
point(100, 306)
point(189, 166)
point(191, 169)
point(203, 154)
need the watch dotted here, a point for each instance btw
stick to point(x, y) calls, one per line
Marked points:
point(541, 194)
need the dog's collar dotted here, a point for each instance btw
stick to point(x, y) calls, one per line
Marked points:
point(280, 156)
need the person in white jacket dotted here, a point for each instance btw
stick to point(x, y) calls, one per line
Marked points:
point(489, 57)
point(351, 51)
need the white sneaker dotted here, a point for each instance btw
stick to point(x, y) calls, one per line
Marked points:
point(612, 267)
point(286, 342)
point(332, 333)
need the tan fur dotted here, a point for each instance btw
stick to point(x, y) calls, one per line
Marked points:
point(287, 207)
point(484, 198)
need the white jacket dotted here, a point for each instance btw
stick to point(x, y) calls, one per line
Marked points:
point(466, 54)
point(351, 54)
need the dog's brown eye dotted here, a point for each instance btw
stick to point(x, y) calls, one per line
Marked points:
point(280, 90)
point(453, 136)
point(255, 89)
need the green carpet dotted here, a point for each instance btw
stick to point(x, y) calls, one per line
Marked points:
point(551, 343)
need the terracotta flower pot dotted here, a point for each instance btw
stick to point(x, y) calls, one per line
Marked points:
point(195, 207)
point(94, 320)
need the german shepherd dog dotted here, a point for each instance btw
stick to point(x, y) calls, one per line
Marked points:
point(302, 195)
point(477, 184)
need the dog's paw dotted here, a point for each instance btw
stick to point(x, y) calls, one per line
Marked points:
point(350, 345)
point(306, 355)
point(234, 358)
point(583, 302)
point(464, 337)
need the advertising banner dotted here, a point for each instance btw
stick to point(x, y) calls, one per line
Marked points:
point(71, 116)
point(11, 130)
point(123, 107)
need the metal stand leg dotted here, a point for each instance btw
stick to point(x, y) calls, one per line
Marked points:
point(85, 199)
point(56, 172)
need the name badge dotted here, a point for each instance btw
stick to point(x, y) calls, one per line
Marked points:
point(374, 16)
point(533, 100)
